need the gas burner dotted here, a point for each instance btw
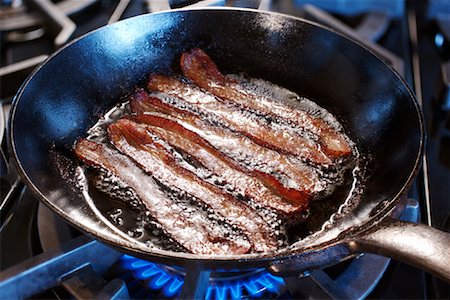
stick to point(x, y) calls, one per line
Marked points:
point(354, 279)
point(166, 282)
point(145, 279)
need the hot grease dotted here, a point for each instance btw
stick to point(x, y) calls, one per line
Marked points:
point(120, 199)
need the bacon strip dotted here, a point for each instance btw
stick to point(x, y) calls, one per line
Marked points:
point(292, 174)
point(273, 136)
point(258, 186)
point(133, 140)
point(195, 232)
point(201, 70)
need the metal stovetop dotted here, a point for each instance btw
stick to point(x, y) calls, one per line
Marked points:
point(412, 36)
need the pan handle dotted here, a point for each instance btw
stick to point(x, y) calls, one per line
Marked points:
point(419, 245)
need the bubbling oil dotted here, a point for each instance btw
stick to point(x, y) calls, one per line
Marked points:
point(124, 210)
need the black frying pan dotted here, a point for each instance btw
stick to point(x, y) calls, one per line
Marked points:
point(68, 93)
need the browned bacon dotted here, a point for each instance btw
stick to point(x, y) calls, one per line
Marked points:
point(292, 174)
point(260, 187)
point(273, 136)
point(134, 140)
point(196, 233)
point(201, 70)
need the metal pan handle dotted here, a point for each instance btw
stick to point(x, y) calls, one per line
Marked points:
point(419, 245)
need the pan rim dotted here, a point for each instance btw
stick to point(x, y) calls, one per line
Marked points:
point(254, 257)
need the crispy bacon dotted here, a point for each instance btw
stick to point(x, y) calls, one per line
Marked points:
point(261, 160)
point(212, 158)
point(270, 135)
point(134, 140)
point(201, 70)
point(194, 232)
point(262, 188)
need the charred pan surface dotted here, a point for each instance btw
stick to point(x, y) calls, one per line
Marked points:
point(151, 155)
point(191, 230)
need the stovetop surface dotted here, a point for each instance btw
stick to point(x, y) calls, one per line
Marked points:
point(400, 281)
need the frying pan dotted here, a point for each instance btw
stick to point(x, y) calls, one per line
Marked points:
point(66, 95)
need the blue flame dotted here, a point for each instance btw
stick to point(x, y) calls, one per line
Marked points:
point(235, 291)
point(159, 279)
point(173, 288)
point(439, 40)
point(140, 263)
point(221, 292)
point(209, 293)
point(148, 271)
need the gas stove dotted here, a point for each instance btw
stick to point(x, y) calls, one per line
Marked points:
point(53, 260)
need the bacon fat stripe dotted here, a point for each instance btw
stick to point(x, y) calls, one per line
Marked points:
point(271, 135)
point(134, 140)
point(261, 188)
point(292, 174)
point(198, 67)
point(191, 230)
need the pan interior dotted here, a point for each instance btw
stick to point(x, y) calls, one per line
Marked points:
point(67, 95)
point(131, 217)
